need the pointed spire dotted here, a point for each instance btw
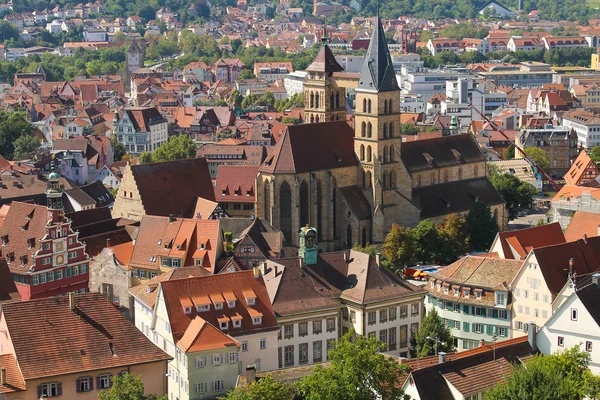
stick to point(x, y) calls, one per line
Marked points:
point(377, 74)
point(325, 60)
point(325, 39)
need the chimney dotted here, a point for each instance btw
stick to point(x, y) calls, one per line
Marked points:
point(345, 256)
point(250, 373)
point(256, 271)
point(171, 218)
point(108, 243)
point(481, 343)
point(531, 334)
point(3, 376)
point(441, 357)
point(571, 265)
point(596, 279)
point(276, 268)
point(264, 267)
point(402, 360)
point(585, 238)
point(378, 259)
point(72, 301)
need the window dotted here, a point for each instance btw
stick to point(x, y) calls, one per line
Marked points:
point(502, 331)
point(317, 351)
point(288, 331)
point(382, 315)
point(257, 320)
point(218, 306)
point(203, 307)
point(330, 324)
point(392, 338)
point(50, 389)
point(372, 318)
point(231, 303)
point(217, 386)
point(84, 384)
point(303, 353)
point(303, 329)
point(200, 362)
point(478, 294)
point(588, 346)
point(289, 355)
point(500, 299)
point(573, 314)
point(217, 359)
point(414, 308)
point(244, 345)
point(250, 301)
point(383, 335)
point(104, 381)
point(201, 388)
point(403, 335)
point(353, 316)
point(502, 314)
point(317, 327)
point(232, 357)
point(263, 343)
point(403, 311)
point(478, 328)
point(392, 313)
point(561, 341)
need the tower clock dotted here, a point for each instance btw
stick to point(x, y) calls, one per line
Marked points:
point(308, 245)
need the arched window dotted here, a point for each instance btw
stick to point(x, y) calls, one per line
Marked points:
point(391, 153)
point(312, 118)
point(364, 237)
point(285, 211)
point(363, 129)
point(390, 106)
point(304, 213)
point(385, 154)
point(312, 100)
point(337, 100)
point(369, 129)
point(349, 243)
point(385, 180)
point(267, 203)
point(369, 105)
point(369, 154)
point(365, 105)
point(364, 178)
point(317, 100)
point(331, 101)
point(319, 206)
point(317, 119)
point(391, 130)
point(459, 173)
point(384, 130)
point(362, 152)
point(369, 182)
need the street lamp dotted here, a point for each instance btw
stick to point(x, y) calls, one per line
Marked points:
point(436, 340)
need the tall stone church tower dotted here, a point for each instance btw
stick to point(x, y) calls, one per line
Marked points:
point(324, 101)
point(135, 60)
point(383, 177)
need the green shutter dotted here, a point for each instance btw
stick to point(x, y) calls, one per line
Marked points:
point(495, 313)
point(68, 272)
point(466, 326)
point(449, 306)
point(466, 309)
point(490, 329)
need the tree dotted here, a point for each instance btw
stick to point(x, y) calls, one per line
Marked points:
point(290, 120)
point(595, 154)
point(235, 97)
point(13, 125)
point(428, 242)
point(147, 13)
point(358, 371)
point(455, 232)
point(249, 101)
point(539, 157)
point(516, 193)
point(408, 129)
point(266, 388)
point(440, 338)
point(246, 74)
point(118, 148)
point(145, 157)
point(267, 99)
point(510, 152)
point(177, 148)
point(399, 246)
point(369, 249)
point(563, 375)
point(127, 387)
point(270, 13)
point(482, 226)
point(8, 31)
point(26, 146)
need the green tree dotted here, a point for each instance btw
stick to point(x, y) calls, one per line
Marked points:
point(595, 154)
point(369, 249)
point(147, 13)
point(263, 389)
point(177, 148)
point(510, 152)
point(13, 125)
point(235, 97)
point(358, 371)
point(482, 226)
point(517, 194)
point(8, 31)
point(539, 157)
point(290, 120)
point(399, 246)
point(408, 129)
point(26, 146)
point(428, 242)
point(560, 376)
point(249, 101)
point(246, 74)
point(270, 13)
point(431, 337)
point(145, 157)
point(118, 148)
point(455, 233)
point(267, 99)
point(127, 387)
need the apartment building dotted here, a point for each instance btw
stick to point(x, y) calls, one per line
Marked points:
point(559, 144)
point(141, 129)
point(586, 126)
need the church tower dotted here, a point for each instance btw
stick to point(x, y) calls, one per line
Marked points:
point(324, 101)
point(384, 178)
point(135, 59)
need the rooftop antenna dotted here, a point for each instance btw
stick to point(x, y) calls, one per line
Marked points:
point(378, 6)
point(324, 39)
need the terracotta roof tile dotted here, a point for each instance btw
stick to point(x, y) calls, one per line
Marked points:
point(14, 379)
point(8, 289)
point(99, 336)
point(200, 336)
point(523, 240)
point(582, 170)
point(236, 183)
point(582, 223)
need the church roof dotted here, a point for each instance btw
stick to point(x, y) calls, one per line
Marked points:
point(312, 147)
point(325, 61)
point(377, 73)
point(134, 48)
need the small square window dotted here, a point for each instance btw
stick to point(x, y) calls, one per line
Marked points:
point(588, 346)
point(561, 341)
point(573, 314)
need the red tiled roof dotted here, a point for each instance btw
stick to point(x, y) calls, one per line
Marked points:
point(94, 336)
point(14, 379)
point(582, 170)
point(8, 289)
point(236, 183)
point(201, 335)
point(523, 240)
point(582, 223)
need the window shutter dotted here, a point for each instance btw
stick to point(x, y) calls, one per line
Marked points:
point(490, 329)
point(78, 385)
point(212, 386)
point(98, 382)
point(40, 391)
point(495, 313)
point(466, 308)
point(59, 389)
point(91, 381)
point(466, 326)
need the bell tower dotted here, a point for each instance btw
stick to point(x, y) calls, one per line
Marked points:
point(324, 101)
point(308, 245)
point(54, 195)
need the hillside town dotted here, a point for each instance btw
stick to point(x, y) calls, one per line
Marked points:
point(286, 200)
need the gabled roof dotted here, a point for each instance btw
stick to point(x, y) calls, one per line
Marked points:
point(522, 241)
point(8, 289)
point(444, 151)
point(583, 169)
point(583, 223)
point(268, 239)
point(172, 187)
point(200, 336)
point(589, 294)
point(377, 74)
point(14, 379)
point(325, 61)
point(312, 147)
point(236, 183)
point(92, 337)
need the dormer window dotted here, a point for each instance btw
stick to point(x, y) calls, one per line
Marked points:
point(237, 323)
point(4, 240)
point(456, 292)
point(466, 293)
point(24, 260)
point(159, 242)
point(224, 325)
point(445, 289)
point(257, 320)
point(251, 301)
point(203, 307)
point(218, 306)
point(432, 284)
point(478, 294)
point(187, 310)
point(10, 257)
point(231, 303)
point(152, 259)
point(30, 243)
point(202, 246)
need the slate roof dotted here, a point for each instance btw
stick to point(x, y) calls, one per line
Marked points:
point(321, 286)
point(453, 197)
point(582, 223)
point(94, 336)
point(172, 187)
point(446, 151)
point(589, 295)
point(377, 74)
point(524, 240)
point(312, 147)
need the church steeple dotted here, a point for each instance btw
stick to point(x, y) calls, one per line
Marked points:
point(377, 73)
point(54, 194)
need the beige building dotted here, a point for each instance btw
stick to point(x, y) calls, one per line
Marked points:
point(86, 342)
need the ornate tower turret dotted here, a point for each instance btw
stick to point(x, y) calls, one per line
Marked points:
point(54, 195)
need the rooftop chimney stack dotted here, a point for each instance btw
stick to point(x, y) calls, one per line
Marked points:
point(108, 243)
point(441, 357)
point(596, 279)
point(531, 334)
point(598, 230)
point(3, 376)
point(378, 259)
point(585, 238)
point(481, 343)
point(345, 256)
point(171, 218)
point(250, 373)
point(72, 301)
point(256, 271)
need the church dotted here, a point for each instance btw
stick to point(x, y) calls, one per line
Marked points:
point(353, 184)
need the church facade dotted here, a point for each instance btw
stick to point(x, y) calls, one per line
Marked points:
point(353, 184)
